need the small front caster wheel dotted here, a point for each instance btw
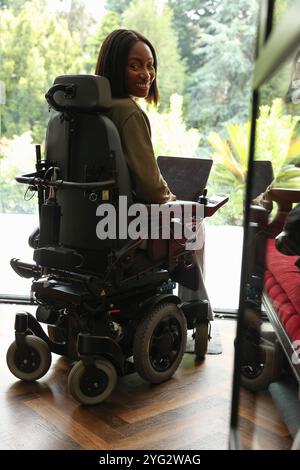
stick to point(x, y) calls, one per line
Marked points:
point(32, 363)
point(91, 387)
point(201, 339)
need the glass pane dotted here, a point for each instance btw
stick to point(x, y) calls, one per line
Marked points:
point(228, 78)
point(195, 103)
point(37, 43)
point(15, 229)
point(18, 211)
point(272, 278)
point(280, 8)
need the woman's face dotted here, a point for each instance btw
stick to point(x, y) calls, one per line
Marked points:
point(140, 71)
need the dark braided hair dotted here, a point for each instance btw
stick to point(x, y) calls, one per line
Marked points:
point(112, 61)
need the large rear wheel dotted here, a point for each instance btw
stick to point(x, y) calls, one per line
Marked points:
point(159, 342)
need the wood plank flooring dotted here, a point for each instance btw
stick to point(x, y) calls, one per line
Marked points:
point(190, 411)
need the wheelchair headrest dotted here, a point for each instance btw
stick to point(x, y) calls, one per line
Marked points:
point(89, 93)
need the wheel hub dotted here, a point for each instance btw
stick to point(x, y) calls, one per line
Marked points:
point(28, 363)
point(165, 344)
point(93, 384)
point(252, 371)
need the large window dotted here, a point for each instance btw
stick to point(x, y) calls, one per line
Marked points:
point(264, 363)
point(205, 56)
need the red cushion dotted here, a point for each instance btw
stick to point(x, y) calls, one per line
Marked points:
point(282, 284)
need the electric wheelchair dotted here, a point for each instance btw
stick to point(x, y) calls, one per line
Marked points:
point(107, 304)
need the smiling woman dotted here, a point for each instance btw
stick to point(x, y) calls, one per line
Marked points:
point(129, 62)
point(140, 71)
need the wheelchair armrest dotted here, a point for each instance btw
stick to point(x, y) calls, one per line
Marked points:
point(210, 207)
point(213, 204)
point(178, 204)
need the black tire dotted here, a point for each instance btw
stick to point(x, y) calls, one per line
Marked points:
point(201, 339)
point(34, 365)
point(256, 377)
point(92, 390)
point(159, 342)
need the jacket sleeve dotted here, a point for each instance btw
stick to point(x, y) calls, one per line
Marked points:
point(150, 186)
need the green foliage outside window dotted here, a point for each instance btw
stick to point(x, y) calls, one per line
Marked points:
point(275, 129)
point(35, 47)
point(16, 157)
point(170, 133)
point(205, 54)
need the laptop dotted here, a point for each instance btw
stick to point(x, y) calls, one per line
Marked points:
point(186, 177)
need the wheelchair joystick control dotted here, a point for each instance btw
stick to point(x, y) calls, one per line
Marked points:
point(203, 199)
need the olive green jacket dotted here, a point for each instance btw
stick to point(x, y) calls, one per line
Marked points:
point(135, 132)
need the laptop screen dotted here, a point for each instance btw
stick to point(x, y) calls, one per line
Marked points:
point(186, 177)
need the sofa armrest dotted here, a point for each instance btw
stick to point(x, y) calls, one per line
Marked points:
point(284, 199)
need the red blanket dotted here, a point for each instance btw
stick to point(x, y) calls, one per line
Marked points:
point(282, 284)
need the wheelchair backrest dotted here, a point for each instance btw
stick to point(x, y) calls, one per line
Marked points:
point(85, 145)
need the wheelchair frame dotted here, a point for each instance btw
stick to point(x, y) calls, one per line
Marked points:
point(102, 320)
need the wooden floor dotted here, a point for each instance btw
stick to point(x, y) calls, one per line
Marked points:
point(190, 411)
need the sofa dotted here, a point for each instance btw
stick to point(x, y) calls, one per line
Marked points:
point(277, 298)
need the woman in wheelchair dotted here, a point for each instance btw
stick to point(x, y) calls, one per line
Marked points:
point(128, 60)
point(108, 304)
